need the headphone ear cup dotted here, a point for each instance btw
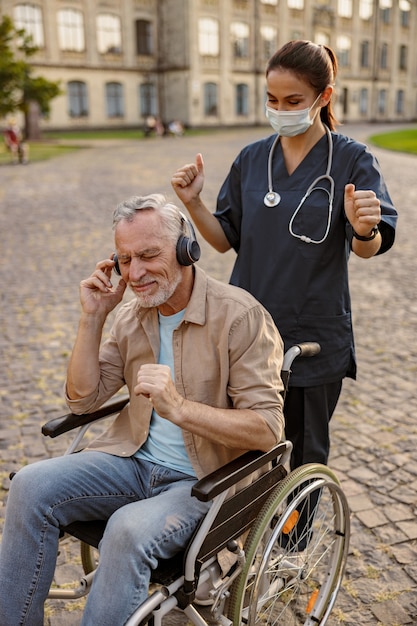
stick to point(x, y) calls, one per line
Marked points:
point(188, 250)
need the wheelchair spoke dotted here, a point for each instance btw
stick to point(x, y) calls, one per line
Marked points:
point(296, 554)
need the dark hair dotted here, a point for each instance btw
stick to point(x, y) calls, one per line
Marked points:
point(315, 64)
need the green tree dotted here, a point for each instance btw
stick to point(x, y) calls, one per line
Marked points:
point(19, 89)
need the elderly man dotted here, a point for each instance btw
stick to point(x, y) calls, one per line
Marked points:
point(201, 360)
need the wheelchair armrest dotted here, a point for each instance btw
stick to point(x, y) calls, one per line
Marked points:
point(224, 477)
point(64, 423)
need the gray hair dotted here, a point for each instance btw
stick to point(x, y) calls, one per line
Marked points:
point(170, 214)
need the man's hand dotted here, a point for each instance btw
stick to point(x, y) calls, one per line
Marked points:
point(97, 295)
point(362, 209)
point(188, 181)
point(155, 382)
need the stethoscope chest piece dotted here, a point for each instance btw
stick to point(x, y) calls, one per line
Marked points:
point(272, 198)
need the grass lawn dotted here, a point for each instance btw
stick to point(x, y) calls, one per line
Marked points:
point(400, 141)
point(38, 151)
point(54, 143)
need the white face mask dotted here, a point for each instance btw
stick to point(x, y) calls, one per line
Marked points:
point(291, 123)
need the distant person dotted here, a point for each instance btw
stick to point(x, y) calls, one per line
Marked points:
point(176, 128)
point(15, 143)
point(293, 207)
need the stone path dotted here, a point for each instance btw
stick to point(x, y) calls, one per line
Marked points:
point(55, 222)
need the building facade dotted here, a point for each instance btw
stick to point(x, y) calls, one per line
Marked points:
point(203, 61)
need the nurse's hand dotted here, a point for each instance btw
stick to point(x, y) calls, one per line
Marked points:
point(188, 181)
point(362, 209)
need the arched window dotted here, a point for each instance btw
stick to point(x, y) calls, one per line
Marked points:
point(114, 100)
point(109, 34)
point(144, 40)
point(344, 45)
point(363, 101)
point(77, 99)
point(29, 17)
point(148, 104)
point(269, 41)
point(239, 32)
point(242, 104)
point(364, 52)
point(208, 37)
point(71, 30)
point(382, 101)
point(399, 101)
point(210, 99)
point(384, 56)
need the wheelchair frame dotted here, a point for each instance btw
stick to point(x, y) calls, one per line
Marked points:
point(291, 566)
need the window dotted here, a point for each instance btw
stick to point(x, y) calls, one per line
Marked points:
point(275, 2)
point(242, 104)
point(344, 45)
point(114, 100)
point(71, 30)
point(296, 4)
point(344, 8)
point(29, 17)
point(77, 99)
point(210, 99)
point(399, 102)
point(109, 37)
point(363, 101)
point(382, 101)
point(269, 41)
point(144, 41)
point(366, 9)
point(405, 9)
point(147, 99)
point(403, 58)
point(364, 51)
point(208, 37)
point(385, 6)
point(383, 63)
point(240, 39)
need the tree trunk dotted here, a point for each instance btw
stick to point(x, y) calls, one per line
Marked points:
point(32, 128)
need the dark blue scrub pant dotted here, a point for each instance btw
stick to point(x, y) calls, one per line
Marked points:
point(307, 412)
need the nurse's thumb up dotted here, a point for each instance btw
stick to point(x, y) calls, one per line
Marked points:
point(349, 198)
point(199, 163)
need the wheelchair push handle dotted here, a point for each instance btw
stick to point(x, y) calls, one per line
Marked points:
point(306, 349)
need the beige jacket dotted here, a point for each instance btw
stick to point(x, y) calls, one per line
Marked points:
point(227, 353)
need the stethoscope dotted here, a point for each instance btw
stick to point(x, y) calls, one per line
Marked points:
point(272, 198)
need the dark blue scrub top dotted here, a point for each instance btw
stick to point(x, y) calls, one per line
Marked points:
point(303, 285)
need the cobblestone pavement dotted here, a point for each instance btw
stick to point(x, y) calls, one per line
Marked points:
point(55, 222)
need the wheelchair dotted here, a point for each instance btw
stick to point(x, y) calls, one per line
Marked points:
point(286, 571)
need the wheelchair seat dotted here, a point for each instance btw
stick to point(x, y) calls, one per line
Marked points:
point(291, 565)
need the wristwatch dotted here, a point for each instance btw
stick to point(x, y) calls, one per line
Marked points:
point(373, 234)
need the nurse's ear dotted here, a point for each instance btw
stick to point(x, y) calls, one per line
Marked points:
point(326, 96)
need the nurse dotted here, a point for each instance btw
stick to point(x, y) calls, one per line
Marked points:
point(293, 207)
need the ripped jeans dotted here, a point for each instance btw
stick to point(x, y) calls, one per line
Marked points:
point(151, 515)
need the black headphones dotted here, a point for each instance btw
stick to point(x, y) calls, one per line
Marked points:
point(188, 248)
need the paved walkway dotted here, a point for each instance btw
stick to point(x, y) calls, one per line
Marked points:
point(55, 222)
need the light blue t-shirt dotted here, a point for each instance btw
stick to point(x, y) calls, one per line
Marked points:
point(165, 443)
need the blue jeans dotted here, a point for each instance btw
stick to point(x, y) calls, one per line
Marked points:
point(151, 516)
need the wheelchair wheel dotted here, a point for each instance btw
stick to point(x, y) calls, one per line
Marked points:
point(295, 553)
point(89, 557)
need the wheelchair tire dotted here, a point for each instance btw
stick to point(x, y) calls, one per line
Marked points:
point(296, 553)
point(89, 557)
